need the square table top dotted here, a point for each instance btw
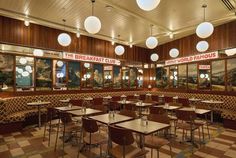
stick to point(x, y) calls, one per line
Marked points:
point(170, 107)
point(81, 112)
point(125, 102)
point(67, 108)
point(137, 126)
point(212, 102)
point(38, 103)
point(109, 119)
point(143, 104)
point(197, 111)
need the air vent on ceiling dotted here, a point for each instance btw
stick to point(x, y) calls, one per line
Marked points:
point(229, 5)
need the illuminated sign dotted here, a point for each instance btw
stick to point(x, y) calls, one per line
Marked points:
point(89, 58)
point(193, 58)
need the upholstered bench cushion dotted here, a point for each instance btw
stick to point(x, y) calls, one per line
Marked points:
point(21, 115)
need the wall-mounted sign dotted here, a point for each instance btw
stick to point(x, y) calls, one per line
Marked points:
point(204, 67)
point(89, 58)
point(193, 58)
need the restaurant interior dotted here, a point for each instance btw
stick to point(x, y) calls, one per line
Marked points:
point(118, 78)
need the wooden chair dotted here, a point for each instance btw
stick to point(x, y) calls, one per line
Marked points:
point(155, 142)
point(124, 140)
point(129, 113)
point(50, 123)
point(186, 122)
point(93, 137)
point(157, 110)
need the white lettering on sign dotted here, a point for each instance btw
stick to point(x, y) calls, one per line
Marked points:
point(204, 67)
point(206, 56)
point(89, 58)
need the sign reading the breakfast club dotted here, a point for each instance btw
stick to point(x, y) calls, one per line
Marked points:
point(193, 58)
point(89, 58)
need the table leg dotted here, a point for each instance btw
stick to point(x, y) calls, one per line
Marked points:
point(212, 120)
point(39, 113)
point(141, 141)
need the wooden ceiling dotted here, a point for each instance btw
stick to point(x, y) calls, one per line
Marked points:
point(122, 17)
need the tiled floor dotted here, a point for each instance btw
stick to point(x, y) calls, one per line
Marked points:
point(29, 143)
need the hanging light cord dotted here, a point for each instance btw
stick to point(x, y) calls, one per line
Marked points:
point(204, 11)
point(64, 23)
point(93, 1)
point(151, 29)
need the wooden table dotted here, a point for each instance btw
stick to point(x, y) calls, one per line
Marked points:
point(197, 111)
point(109, 119)
point(141, 105)
point(211, 103)
point(138, 127)
point(170, 107)
point(68, 108)
point(39, 104)
point(86, 112)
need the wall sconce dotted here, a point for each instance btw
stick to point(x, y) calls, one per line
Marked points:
point(125, 77)
point(108, 77)
point(152, 78)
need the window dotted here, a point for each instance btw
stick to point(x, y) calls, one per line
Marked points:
point(133, 78)
point(140, 78)
point(182, 77)
point(6, 72)
point(231, 74)
point(117, 77)
point(24, 73)
point(125, 77)
point(43, 74)
point(59, 75)
point(173, 76)
point(97, 76)
point(108, 77)
point(192, 76)
point(204, 75)
point(87, 72)
point(218, 75)
point(73, 75)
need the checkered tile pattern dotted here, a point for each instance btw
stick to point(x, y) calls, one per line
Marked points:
point(29, 143)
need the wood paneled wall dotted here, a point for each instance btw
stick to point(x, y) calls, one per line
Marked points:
point(224, 36)
point(14, 32)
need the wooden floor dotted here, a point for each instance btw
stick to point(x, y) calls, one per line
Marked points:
point(29, 143)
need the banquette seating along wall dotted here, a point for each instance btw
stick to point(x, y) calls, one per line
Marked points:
point(14, 110)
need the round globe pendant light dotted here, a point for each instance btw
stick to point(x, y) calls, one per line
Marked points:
point(38, 52)
point(174, 52)
point(92, 24)
point(147, 5)
point(23, 61)
point(60, 63)
point(151, 42)
point(202, 46)
point(204, 29)
point(64, 39)
point(154, 57)
point(119, 50)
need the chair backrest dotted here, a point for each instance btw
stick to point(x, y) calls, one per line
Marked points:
point(51, 113)
point(76, 102)
point(129, 113)
point(98, 101)
point(162, 118)
point(185, 115)
point(184, 101)
point(130, 107)
point(168, 99)
point(157, 110)
point(66, 117)
point(121, 136)
point(148, 98)
point(89, 125)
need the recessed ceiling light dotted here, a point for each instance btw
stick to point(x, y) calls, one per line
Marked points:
point(108, 8)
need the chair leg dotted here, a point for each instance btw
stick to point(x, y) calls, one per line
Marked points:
point(203, 135)
point(44, 132)
point(151, 153)
point(170, 151)
point(157, 153)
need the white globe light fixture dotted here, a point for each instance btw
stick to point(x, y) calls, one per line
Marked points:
point(92, 24)
point(64, 39)
point(202, 76)
point(154, 57)
point(23, 61)
point(119, 50)
point(19, 70)
point(174, 52)
point(28, 68)
point(147, 5)
point(151, 42)
point(38, 52)
point(204, 29)
point(60, 63)
point(202, 46)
